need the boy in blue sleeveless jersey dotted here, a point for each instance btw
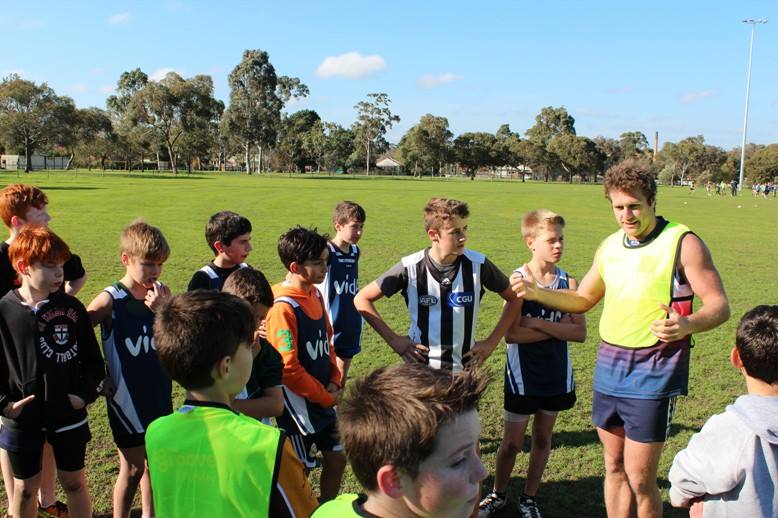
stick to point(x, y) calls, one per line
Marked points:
point(538, 372)
point(298, 328)
point(229, 236)
point(137, 390)
point(342, 283)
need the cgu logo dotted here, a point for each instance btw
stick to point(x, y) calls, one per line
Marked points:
point(346, 286)
point(144, 341)
point(320, 348)
point(460, 299)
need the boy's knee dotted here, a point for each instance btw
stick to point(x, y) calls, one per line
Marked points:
point(541, 442)
point(72, 484)
point(511, 447)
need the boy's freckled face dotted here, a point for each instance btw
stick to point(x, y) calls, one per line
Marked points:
point(451, 237)
point(548, 245)
point(350, 232)
point(45, 276)
point(144, 271)
point(238, 249)
point(37, 216)
point(315, 270)
point(449, 480)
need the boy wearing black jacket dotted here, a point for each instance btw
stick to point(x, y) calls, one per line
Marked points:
point(50, 370)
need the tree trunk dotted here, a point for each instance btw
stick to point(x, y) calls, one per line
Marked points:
point(368, 158)
point(70, 160)
point(259, 164)
point(172, 156)
point(159, 166)
point(27, 155)
point(102, 163)
point(246, 156)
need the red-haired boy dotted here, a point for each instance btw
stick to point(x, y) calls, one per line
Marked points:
point(49, 371)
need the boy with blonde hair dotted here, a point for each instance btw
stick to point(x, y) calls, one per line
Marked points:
point(49, 371)
point(342, 283)
point(538, 372)
point(137, 390)
point(411, 438)
point(442, 287)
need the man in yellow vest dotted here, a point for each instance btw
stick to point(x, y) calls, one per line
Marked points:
point(648, 274)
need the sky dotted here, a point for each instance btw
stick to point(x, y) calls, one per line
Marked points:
point(674, 67)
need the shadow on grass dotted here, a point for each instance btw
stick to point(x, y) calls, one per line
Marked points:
point(565, 498)
point(70, 188)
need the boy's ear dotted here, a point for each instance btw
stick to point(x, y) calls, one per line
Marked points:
point(529, 241)
point(219, 246)
point(21, 266)
point(16, 222)
point(125, 259)
point(389, 483)
point(734, 357)
point(433, 234)
point(294, 267)
point(222, 369)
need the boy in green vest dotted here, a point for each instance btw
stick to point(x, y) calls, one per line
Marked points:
point(207, 459)
point(411, 435)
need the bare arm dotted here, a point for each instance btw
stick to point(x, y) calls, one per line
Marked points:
point(271, 404)
point(99, 310)
point(510, 313)
point(589, 292)
point(572, 326)
point(364, 302)
point(705, 282)
point(74, 286)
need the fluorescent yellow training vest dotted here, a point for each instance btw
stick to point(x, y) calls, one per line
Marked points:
point(637, 280)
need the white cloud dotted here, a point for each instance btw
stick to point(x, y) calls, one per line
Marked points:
point(78, 88)
point(351, 65)
point(621, 89)
point(160, 73)
point(692, 97)
point(432, 81)
point(107, 89)
point(118, 18)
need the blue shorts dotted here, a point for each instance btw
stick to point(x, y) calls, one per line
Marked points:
point(643, 420)
point(346, 347)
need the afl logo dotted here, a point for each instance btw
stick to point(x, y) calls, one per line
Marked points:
point(460, 299)
point(428, 300)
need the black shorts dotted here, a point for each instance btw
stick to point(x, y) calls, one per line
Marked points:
point(25, 449)
point(643, 420)
point(526, 405)
point(326, 439)
point(129, 440)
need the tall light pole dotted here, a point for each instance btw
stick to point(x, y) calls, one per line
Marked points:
point(752, 23)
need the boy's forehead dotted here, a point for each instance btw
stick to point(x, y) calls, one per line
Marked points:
point(453, 222)
point(455, 435)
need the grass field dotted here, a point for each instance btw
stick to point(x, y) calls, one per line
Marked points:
point(89, 210)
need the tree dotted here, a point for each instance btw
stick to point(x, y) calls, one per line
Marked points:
point(315, 143)
point(475, 150)
point(291, 141)
point(762, 166)
point(340, 145)
point(549, 123)
point(633, 144)
point(30, 114)
point(374, 119)
point(130, 139)
point(257, 97)
point(95, 134)
point(427, 144)
point(684, 157)
point(506, 143)
point(577, 155)
point(611, 150)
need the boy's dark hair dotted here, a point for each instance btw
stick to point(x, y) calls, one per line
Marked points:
point(250, 285)
point(346, 211)
point(439, 210)
point(300, 244)
point(757, 343)
point(193, 331)
point(16, 199)
point(392, 416)
point(37, 244)
point(631, 176)
point(225, 226)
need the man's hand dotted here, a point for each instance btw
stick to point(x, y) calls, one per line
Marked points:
point(156, 296)
point(672, 328)
point(76, 402)
point(14, 408)
point(480, 352)
point(524, 286)
point(410, 351)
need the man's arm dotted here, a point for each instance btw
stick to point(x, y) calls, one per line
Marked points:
point(364, 301)
point(705, 282)
point(589, 292)
point(572, 326)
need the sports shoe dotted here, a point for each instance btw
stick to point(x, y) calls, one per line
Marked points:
point(57, 510)
point(528, 508)
point(491, 505)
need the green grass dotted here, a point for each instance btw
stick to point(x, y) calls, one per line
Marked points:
point(90, 209)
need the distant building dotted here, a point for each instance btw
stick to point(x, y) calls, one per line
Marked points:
point(13, 162)
point(389, 164)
